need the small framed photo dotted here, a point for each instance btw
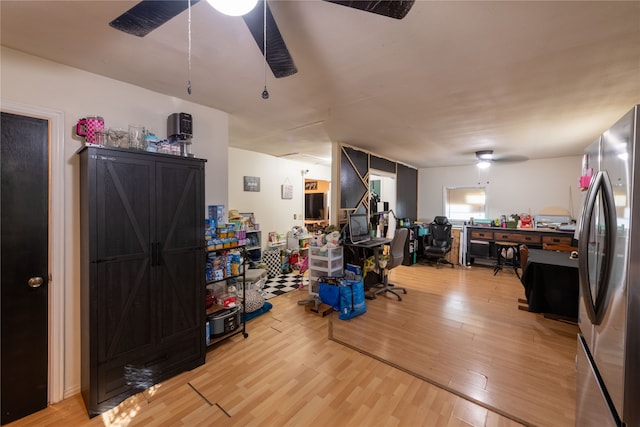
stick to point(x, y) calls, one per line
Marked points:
point(287, 191)
point(252, 183)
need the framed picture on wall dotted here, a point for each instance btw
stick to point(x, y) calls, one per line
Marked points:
point(252, 183)
point(287, 191)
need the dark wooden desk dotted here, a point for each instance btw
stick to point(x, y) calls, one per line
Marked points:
point(551, 283)
point(360, 252)
point(481, 245)
point(357, 253)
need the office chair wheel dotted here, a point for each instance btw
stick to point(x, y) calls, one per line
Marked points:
point(397, 295)
point(393, 288)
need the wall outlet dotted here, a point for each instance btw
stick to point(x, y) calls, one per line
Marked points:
point(295, 216)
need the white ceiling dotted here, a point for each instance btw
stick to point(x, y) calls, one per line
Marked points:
point(526, 79)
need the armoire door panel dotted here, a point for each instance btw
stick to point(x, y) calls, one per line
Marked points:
point(181, 352)
point(180, 290)
point(138, 371)
point(179, 188)
point(111, 381)
point(124, 207)
point(125, 374)
point(133, 374)
point(125, 306)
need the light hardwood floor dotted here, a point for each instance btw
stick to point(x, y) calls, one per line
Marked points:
point(288, 373)
point(466, 334)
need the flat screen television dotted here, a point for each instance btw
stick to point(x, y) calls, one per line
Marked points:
point(314, 206)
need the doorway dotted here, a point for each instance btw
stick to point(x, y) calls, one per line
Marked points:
point(49, 126)
point(382, 187)
point(317, 194)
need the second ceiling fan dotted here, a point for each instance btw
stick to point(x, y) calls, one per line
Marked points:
point(148, 15)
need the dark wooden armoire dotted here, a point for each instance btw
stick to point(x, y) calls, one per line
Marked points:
point(142, 271)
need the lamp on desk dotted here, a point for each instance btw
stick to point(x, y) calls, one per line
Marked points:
point(387, 212)
point(390, 211)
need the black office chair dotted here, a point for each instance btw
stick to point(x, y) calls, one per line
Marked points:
point(396, 255)
point(439, 241)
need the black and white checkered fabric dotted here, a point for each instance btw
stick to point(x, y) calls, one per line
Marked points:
point(273, 259)
point(283, 283)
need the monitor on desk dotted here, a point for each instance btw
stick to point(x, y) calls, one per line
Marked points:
point(359, 228)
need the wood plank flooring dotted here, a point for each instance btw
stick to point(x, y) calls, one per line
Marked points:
point(288, 373)
point(466, 334)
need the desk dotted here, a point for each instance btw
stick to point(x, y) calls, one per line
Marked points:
point(551, 283)
point(481, 241)
point(359, 252)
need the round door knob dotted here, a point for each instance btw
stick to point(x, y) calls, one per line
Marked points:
point(35, 282)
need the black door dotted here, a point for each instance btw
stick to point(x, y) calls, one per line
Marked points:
point(24, 264)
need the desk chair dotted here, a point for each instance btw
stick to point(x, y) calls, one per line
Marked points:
point(396, 255)
point(439, 241)
point(524, 256)
point(523, 304)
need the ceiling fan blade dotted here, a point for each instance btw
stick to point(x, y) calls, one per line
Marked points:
point(511, 159)
point(278, 56)
point(148, 15)
point(397, 9)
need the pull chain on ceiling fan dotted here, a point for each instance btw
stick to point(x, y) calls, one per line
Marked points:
point(265, 92)
point(189, 49)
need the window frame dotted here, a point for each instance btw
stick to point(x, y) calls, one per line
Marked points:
point(471, 188)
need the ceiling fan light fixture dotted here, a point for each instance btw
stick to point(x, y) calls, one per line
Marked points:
point(483, 164)
point(233, 7)
point(484, 155)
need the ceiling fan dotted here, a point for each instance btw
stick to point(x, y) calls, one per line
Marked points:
point(484, 158)
point(148, 15)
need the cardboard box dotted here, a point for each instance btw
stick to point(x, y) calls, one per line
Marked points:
point(216, 212)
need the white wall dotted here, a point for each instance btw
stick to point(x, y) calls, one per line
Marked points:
point(32, 81)
point(523, 187)
point(271, 211)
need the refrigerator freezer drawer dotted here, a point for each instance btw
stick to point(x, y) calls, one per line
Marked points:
point(592, 406)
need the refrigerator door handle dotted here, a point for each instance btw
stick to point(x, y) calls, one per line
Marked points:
point(596, 305)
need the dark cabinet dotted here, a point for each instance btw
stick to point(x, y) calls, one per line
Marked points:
point(142, 271)
point(411, 246)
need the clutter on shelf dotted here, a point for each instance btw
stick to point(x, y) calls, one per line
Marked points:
point(139, 137)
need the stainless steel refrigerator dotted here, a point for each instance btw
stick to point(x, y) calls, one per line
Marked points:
point(608, 357)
